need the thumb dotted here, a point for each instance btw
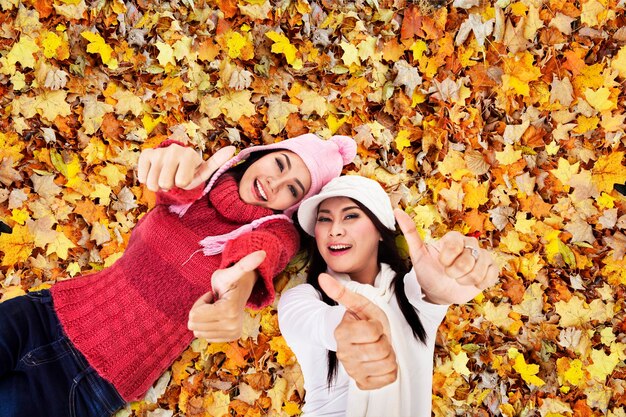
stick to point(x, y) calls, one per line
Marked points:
point(206, 298)
point(362, 307)
point(417, 249)
point(224, 279)
point(208, 167)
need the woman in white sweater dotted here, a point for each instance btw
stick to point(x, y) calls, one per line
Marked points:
point(363, 327)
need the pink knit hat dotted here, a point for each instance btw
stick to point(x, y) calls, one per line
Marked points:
point(323, 158)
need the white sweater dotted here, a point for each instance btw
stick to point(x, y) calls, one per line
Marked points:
point(308, 325)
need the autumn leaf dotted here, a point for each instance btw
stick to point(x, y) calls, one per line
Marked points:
point(608, 171)
point(16, 246)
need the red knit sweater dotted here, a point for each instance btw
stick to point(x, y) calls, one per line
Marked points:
point(130, 320)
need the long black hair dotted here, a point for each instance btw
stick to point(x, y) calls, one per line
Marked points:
point(388, 254)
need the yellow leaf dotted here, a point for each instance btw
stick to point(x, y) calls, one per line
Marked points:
point(475, 194)
point(335, 123)
point(512, 242)
point(530, 265)
point(11, 146)
point(282, 45)
point(454, 165)
point(291, 408)
point(350, 54)
point(284, 355)
point(235, 105)
point(217, 404)
point(522, 224)
point(12, 292)
point(166, 54)
point(605, 201)
point(16, 246)
point(60, 245)
point(312, 102)
point(509, 155)
point(19, 216)
point(608, 171)
point(498, 314)
point(149, 123)
point(574, 312)
point(459, 363)
point(51, 104)
point(603, 364)
point(278, 393)
point(55, 46)
point(97, 45)
point(102, 192)
point(565, 171)
point(570, 371)
point(418, 48)
point(586, 124)
point(528, 372)
point(599, 99)
point(519, 71)
point(73, 268)
point(22, 52)
point(235, 42)
point(114, 174)
point(402, 139)
point(619, 62)
point(556, 247)
point(592, 12)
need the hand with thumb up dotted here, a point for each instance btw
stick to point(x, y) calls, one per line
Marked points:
point(218, 315)
point(363, 338)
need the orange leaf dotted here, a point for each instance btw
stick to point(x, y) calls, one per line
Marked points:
point(411, 23)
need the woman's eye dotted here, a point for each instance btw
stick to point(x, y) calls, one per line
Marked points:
point(281, 167)
point(352, 216)
point(294, 193)
point(323, 219)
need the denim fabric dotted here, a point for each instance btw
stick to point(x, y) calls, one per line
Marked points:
point(41, 373)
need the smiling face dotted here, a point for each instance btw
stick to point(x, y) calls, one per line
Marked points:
point(347, 239)
point(276, 181)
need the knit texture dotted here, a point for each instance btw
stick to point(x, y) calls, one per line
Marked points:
point(130, 320)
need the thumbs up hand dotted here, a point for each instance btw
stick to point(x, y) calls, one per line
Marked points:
point(453, 270)
point(363, 338)
point(218, 315)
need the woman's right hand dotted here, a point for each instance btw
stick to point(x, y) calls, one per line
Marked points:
point(177, 166)
point(363, 338)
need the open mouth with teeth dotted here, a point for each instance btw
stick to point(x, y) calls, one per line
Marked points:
point(260, 191)
point(339, 248)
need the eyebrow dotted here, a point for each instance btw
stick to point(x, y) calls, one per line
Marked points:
point(343, 209)
point(289, 166)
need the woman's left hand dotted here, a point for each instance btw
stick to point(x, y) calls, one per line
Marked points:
point(453, 270)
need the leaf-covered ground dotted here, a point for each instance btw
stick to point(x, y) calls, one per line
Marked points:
point(502, 120)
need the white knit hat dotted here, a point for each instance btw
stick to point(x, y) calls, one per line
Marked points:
point(365, 191)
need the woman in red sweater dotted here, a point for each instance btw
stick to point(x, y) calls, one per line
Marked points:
point(90, 344)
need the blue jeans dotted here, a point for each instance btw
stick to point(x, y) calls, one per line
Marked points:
point(41, 373)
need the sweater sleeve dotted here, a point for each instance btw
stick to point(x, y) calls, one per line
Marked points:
point(306, 320)
point(177, 195)
point(280, 241)
point(432, 314)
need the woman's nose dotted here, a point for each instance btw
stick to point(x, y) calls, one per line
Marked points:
point(336, 230)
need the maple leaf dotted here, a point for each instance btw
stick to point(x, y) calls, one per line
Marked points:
point(97, 45)
point(527, 371)
point(608, 171)
point(407, 75)
point(217, 404)
point(7, 173)
point(474, 23)
point(16, 246)
point(237, 104)
point(22, 52)
point(284, 46)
